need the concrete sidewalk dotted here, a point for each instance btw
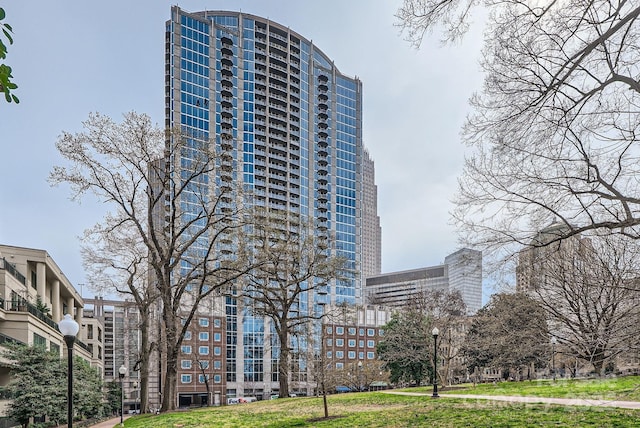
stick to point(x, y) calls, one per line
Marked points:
point(559, 401)
point(534, 400)
point(109, 423)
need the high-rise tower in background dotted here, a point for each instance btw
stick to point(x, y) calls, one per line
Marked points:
point(288, 125)
point(372, 232)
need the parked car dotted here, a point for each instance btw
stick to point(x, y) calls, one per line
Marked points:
point(241, 400)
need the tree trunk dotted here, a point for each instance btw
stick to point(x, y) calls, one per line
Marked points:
point(169, 394)
point(169, 397)
point(145, 351)
point(283, 364)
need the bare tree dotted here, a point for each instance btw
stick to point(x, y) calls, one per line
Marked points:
point(358, 376)
point(203, 366)
point(446, 310)
point(158, 184)
point(555, 125)
point(293, 263)
point(115, 259)
point(590, 291)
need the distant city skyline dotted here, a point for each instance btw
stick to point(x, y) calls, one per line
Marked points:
point(69, 63)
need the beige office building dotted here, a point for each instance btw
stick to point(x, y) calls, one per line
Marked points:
point(34, 296)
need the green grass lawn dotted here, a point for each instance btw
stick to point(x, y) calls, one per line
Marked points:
point(623, 388)
point(375, 409)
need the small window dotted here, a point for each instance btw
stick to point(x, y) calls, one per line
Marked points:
point(204, 322)
point(217, 378)
point(217, 337)
point(339, 354)
point(339, 330)
point(352, 331)
point(352, 355)
point(371, 343)
point(371, 332)
point(217, 323)
point(329, 330)
point(201, 378)
point(352, 343)
point(39, 341)
point(329, 342)
point(339, 365)
point(361, 343)
point(339, 342)
point(203, 335)
point(381, 332)
point(371, 355)
point(187, 335)
point(185, 378)
point(361, 355)
point(361, 332)
point(329, 354)
point(217, 350)
point(204, 364)
point(185, 364)
point(217, 365)
point(203, 350)
point(186, 349)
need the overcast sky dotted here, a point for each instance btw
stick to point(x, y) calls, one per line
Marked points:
point(73, 57)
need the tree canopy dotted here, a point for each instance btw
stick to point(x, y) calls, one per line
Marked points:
point(554, 128)
point(291, 263)
point(406, 346)
point(37, 386)
point(147, 176)
point(590, 292)
point(6, 84)
point(508, 333)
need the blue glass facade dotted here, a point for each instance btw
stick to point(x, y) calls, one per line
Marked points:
point(287, 125)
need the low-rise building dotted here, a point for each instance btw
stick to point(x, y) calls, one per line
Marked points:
point(201, 366)
point(34, 296)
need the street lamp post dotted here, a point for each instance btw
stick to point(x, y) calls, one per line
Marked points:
point(360, 388)
point(69, 329)
point(553, 356)
point(136, 385)
point(435, 333)
point(121, 372)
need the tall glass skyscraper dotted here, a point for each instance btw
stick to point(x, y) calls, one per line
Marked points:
point(288, 126)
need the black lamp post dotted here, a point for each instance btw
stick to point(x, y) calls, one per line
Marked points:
point(553, 356)
point(121, 372)
point(435, 333)
point(69, 329)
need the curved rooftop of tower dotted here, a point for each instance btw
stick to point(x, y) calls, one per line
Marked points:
point(274, 27)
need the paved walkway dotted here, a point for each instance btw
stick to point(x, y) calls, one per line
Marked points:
point(519, 399)
point(109, 423)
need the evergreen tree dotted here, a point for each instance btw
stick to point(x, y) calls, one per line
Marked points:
point(38, 386)
point(406, 347)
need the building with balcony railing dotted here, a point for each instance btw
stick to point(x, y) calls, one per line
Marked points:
point(287, 125)
point(34, 295)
